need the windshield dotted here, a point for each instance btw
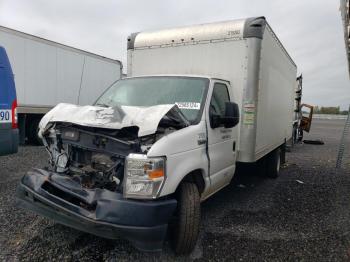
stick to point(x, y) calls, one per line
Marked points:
point(188, 93)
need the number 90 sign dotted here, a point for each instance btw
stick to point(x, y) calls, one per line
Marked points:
point(5, 115)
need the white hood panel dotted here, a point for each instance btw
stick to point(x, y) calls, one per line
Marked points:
point(146, 118)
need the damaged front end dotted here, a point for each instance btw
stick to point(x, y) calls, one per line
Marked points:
point(94, 158)
point(96, 174)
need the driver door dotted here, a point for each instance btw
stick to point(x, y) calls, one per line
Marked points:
point(221, 140)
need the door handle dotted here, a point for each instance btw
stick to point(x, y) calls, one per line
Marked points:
point(234, 146)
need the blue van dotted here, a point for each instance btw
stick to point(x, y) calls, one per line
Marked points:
point(8, 107)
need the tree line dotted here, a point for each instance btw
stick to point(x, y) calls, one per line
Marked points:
point(332, 110)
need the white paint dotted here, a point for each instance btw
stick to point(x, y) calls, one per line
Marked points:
point(268, 117)
point(275, 105)
point(47, 73)
point(264, 95)
point(191, 34)
point(146, 118)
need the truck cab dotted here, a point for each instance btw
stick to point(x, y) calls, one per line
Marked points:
point(8, 107)
point(145, 141)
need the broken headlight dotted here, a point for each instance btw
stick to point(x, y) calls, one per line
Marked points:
point(143, 177)
point(61, 163)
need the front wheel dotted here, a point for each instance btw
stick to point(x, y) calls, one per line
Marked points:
point(185, 229)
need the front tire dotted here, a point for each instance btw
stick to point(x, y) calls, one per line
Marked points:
point(185, 229)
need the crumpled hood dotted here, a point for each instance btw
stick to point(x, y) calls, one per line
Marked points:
point(145, 118)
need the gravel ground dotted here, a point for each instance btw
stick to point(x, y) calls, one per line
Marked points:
point(304, 215)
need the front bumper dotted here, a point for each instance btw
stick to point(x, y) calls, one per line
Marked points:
point(97, 211)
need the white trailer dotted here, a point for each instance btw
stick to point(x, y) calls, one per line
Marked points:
point(47, 73)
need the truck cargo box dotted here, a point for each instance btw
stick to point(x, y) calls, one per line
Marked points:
point(245, 52)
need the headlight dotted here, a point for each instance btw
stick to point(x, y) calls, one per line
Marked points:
point(144, 176)
point(61, 162)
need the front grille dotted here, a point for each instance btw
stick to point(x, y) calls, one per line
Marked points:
point(51, 189)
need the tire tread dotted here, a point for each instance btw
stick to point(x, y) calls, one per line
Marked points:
point(187, 228)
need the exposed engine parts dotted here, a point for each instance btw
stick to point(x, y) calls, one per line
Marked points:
point(96, 170)
point(95, 156)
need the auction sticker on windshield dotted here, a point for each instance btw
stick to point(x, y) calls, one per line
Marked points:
point(188, 105)
point(5, 116)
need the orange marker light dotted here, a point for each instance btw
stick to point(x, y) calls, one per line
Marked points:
point(156, 174)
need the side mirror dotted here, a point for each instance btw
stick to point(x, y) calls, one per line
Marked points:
point(215, 121)
point(231, 117)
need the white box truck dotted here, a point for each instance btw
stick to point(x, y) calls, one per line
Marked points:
point(47, 73)
point(198, 101)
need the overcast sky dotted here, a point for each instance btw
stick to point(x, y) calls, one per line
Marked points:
point(311, 30)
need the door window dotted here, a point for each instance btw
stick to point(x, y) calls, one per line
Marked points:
point(219, 97)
